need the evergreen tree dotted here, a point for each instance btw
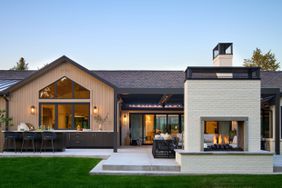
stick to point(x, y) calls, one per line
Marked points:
point(21, 65)
point(267, 62)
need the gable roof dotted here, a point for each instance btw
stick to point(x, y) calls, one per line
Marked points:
point(54, 64)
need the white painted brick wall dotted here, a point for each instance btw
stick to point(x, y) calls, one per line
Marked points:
point(233, 164)
point(223, 98)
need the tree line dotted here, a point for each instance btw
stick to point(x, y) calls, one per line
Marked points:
point(266, 61)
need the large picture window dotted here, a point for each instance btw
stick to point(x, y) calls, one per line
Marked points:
point(65, 115)
point(64, 88)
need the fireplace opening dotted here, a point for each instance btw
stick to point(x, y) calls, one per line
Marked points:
point(223, 136)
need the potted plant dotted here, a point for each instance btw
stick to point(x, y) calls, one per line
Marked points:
point(100, 120)
point(3, 122)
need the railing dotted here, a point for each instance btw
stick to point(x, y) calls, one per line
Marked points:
point(224, 73)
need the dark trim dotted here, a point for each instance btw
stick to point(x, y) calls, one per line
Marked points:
point(52, 65)
point(210, 73)
point(73, 83)
point(56, 113)
point(221, 49)
point(150, 90)
point(115, 121)
point(276, 93)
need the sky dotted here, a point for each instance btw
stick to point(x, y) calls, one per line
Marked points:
point(136, 34)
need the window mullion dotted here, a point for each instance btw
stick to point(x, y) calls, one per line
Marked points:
point(73, 111)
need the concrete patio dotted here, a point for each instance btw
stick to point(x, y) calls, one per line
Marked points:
point(136, 160)
point(131, 160)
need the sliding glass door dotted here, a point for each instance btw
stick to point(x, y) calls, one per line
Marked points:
point(143, 127)
point(161, 123)
point(149, 128)
point(136, 123)
point(173, 124)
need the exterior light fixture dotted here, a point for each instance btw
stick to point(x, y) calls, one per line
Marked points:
point(95, 110)
point(32, 110)
point(124, 117)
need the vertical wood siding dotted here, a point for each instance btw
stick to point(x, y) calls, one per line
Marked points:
point(101, 95)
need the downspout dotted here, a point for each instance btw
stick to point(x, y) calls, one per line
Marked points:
point(6, 109)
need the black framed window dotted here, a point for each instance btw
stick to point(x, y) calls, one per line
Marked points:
point(64, 88)
point(267, 123)
point(64, 115)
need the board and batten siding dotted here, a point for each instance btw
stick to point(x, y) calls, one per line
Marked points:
point(101, 95)
point(2, 103)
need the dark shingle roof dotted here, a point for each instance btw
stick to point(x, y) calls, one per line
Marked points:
point(144, 79)
point(14, 75)
point(139, 79)
point(271, 79)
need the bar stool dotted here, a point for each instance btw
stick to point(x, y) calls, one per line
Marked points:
point(11, 136)
point(29, 137)
point(48, 136)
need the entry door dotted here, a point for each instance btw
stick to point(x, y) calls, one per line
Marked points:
point(136, 126)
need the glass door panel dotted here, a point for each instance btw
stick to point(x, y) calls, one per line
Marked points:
point(136, 123)
point(173, 124)
point(65, 116)
point(47, 116)
point(81, 116)
point(161, 124)
point(149, 129)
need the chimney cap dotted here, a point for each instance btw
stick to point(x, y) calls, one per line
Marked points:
point(223, 48)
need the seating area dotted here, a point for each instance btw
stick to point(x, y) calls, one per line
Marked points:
point(164, 145)
point(35, 141)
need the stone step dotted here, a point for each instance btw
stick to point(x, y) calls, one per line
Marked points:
point(158, 168)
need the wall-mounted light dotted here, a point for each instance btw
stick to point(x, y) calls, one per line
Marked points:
point(95, 110)
point(32, 109)
point(124, 117)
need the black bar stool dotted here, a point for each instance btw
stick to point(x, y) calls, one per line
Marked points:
point(11, 137)
point(29, 137)
point(48, 137)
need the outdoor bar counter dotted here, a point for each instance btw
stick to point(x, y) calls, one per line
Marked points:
point(64, 139)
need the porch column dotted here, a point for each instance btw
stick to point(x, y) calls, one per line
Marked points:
point(276, 93)
point(277, 122)
point(115, 121)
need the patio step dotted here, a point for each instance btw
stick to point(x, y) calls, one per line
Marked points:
point(161, 168)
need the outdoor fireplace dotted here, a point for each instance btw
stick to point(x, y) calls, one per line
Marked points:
point(223, 136)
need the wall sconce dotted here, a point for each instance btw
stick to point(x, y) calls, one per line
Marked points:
point(124, 117)
point(95, 110)
point(32, 110)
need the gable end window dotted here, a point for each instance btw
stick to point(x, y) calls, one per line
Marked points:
point(64, 88)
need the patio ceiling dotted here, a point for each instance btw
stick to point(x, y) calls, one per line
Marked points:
point(152, 101)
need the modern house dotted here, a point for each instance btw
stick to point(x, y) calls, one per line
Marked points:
point(232, 109)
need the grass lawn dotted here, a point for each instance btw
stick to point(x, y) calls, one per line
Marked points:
point(74, 172)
